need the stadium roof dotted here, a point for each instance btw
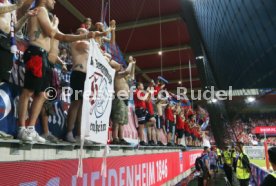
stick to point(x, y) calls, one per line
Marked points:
point(238, 38)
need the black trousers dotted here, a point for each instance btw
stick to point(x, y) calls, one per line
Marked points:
point(228, 172)
point(200, 181)
point(219, 160)
point(234, 164)
point(244, 182)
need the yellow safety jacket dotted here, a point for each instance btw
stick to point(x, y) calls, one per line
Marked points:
point(218, 152)
point(227, 157)
point(234, 154)
point(242, 173)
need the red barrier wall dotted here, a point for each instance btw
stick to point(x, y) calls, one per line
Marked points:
point(150, 169)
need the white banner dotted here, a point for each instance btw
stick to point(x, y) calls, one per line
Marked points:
point(97, 98)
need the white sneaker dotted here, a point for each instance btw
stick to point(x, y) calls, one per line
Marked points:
point(70, 138)
point(36, 137)
point(23, 134)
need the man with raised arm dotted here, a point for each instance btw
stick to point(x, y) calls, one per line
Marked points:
point(102, 40)
point(119, 112)
point(80, 53)
point(40, 32)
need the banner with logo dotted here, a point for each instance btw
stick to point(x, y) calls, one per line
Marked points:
point(97, 98)
point(8, 102)
point(266, 130)
point(146, 169)
point(189, 158)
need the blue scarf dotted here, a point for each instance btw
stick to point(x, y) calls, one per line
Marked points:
point(13, 41)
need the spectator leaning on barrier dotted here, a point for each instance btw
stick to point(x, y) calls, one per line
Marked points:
point(270, 179)
point(243, 170)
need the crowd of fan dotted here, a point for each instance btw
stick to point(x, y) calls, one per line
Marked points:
point(173, 120)
point(156, 116)
point(244, 130)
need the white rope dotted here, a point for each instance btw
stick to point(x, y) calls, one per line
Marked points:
point(191, 83)
point(102, 12)
point(160, 27)
point(179, 55)
point(109, 6)
point(104, 162)
point(132, 30)
point(80, 164)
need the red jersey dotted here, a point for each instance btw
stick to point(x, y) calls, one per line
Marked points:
point(185, 126)
point(193, 131)
point(169, 114)
point(190, 112)
point(138, 102)
point(150, 107)
point(179, 122)
point(157, 89)
point(189, 129)
point(196, 134)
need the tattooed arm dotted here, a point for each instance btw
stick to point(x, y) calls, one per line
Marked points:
point(24, 8)
point(10, 7)
point(19, 24)
point(50, 31)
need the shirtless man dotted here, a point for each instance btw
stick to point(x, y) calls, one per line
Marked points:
point(87, 23)
point(100, 40)
point(37, 80)
point(119, 112)
point(7, 11)
point(112, 29)
point(47, 108)
point(54, 46)
point(80, 52)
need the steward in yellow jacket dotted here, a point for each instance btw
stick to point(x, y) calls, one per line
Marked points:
point(243, 172)
point(227, 166)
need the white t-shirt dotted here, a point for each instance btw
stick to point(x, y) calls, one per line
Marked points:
point(206, 142)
